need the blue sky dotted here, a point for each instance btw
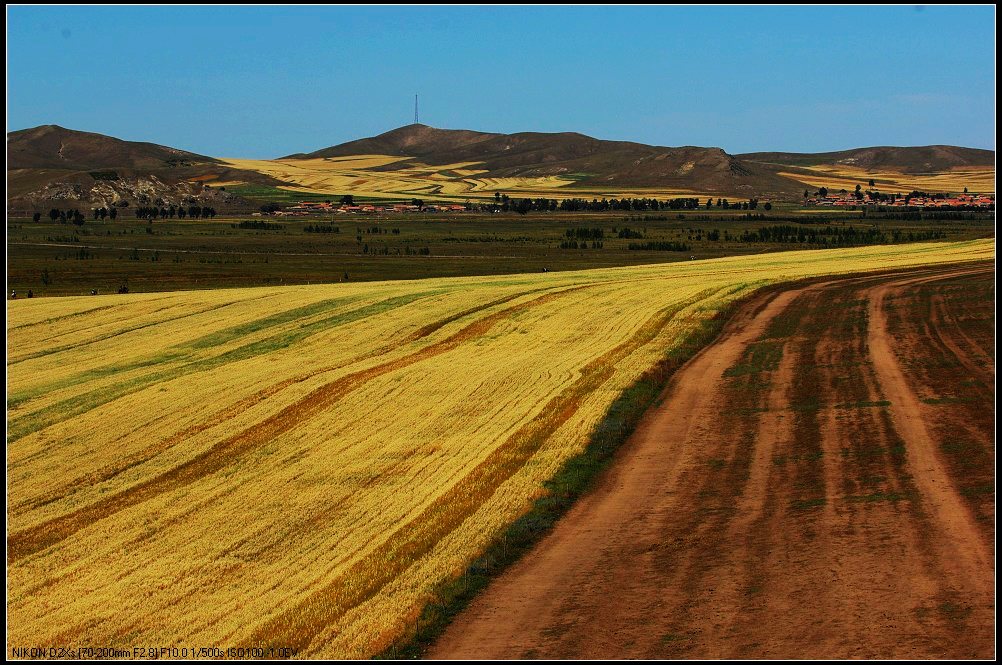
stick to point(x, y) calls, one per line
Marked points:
point(268, 81)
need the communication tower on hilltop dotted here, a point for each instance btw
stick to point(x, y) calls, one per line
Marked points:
point(415, 110)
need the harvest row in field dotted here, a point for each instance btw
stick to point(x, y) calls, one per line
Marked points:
point(300, 466)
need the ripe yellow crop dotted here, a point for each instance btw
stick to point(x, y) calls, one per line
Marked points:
point(449, 182)
point(300, 466)
point(977, 178)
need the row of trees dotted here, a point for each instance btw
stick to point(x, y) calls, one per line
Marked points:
point(626, 204)
point(142, 212)
point(873, 195)
point(194, 212)
point(835, 236)
point(102, 213)
point(660, 246)
point(750, 204)
point(63, 216)
point(503, 203)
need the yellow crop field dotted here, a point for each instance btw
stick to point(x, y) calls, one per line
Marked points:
point(981, 180)
point(450, 182)
point(300, 466)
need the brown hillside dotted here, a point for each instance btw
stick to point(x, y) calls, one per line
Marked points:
point(55, 147)
point(592, 162)
point(912, 160)
point(52, 164)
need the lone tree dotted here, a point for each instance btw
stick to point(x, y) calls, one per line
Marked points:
point(872, 184)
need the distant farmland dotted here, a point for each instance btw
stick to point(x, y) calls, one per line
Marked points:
point(976, 179)
point(379, 176)
point(361, 176)
point(301, 466)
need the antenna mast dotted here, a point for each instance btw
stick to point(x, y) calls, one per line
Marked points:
point(415, 110)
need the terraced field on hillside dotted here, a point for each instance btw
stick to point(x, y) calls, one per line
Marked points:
point(361, 176)
point(301, 466)
point(976, 179)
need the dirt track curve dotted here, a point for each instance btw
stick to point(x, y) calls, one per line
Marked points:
point(819, 483)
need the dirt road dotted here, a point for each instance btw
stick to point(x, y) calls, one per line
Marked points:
point(819, 483)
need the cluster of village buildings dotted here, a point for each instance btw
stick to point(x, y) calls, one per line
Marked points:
point(902, 200)
point(306, 207)
point(840, 199)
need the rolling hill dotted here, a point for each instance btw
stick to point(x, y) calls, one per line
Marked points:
point(909, 160)
point(933, 168)
point(586, 162)
point(53, 165)
point(55, 147)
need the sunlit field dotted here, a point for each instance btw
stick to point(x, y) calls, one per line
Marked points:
point(300, 466)
point(976, 179)
point(449, 182)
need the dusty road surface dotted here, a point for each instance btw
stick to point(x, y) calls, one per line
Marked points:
point(819, 483)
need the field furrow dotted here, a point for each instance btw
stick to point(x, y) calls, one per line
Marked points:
point(303, 466)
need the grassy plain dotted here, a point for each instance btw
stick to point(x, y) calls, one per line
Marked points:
point(302, 466)
point(175, 255)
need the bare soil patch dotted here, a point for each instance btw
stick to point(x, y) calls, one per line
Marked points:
point(795, 494)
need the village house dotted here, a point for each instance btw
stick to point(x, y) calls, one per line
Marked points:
point(902, 200)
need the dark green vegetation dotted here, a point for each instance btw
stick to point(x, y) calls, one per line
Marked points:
point(53, 258)
point(258, 194)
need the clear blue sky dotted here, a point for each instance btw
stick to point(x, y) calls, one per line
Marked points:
point(264, 82)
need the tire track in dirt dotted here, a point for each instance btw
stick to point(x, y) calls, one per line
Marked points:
point(982, 365)
point(927, 468)
point(689, 547)
point(547, 598)
point(51, 532)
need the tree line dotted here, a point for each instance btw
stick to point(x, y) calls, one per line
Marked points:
point(163, 212)
point(660, 246)
point(63, 216)
point(504, 203)
point(834, 236)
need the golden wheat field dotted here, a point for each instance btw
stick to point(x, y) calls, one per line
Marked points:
point(300, 466)
point(976, 179)
point(449, 182)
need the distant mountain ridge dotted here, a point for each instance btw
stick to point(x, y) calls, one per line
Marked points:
point(591, 161)
point(911, 160)
point(55, 147)
point(52, 163)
